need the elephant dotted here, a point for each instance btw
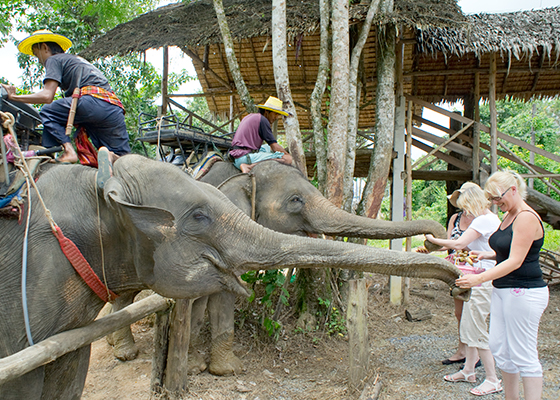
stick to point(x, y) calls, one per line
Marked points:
point(287, 202)
point(153, 227)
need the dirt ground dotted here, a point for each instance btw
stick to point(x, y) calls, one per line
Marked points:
point(405, 357)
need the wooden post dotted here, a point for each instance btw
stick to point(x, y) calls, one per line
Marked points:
point(231, 113)
point(493, 114)
point(175, 377)
point(164, 80)
point(408, 168)
point(476, 131)
point(397, 195)
point(358, 342)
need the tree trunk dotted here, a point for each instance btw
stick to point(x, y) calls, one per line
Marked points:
point(384, 124)
point(338, 116)
point(317, 98)
point(280, 63)
point(353, 106)
point(231, 59)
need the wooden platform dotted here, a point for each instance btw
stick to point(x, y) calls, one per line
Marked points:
point(550, 265)
point(169, 131)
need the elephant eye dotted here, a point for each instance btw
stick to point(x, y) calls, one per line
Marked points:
point(296, 199)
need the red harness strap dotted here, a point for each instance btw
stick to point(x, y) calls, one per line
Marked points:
point(83, 268)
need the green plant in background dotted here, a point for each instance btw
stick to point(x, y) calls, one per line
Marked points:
point(333, 320)
point(273, 283)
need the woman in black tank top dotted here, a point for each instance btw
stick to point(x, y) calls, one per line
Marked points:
point(520, 295)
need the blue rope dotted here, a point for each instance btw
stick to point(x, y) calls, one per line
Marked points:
point(24, 273)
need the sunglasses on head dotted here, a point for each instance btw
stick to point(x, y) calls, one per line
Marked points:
point(498, 198)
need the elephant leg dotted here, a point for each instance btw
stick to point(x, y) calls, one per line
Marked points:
point(221, 307)
point(65, 377)
point(28, 386)
point(197, 362)
point(122, 340)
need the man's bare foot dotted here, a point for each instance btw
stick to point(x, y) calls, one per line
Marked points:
point(246, 168)
point(69, 155)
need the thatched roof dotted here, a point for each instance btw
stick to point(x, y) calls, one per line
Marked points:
point(195, 23)
point(527, 44)
point(518, 34)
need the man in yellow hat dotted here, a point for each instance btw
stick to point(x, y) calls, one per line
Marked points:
point(254, 129)
point(99, 111)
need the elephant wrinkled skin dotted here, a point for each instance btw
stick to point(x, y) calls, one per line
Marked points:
point(160, 229)
point(287, 202)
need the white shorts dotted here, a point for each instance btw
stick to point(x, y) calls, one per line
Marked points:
point(473, 327)
point(514, 326)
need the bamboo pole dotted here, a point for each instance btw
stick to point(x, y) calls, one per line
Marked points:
point(50, 349)
point(476, 131)
point(164, 80)
point(408, 168)
point(493, 114)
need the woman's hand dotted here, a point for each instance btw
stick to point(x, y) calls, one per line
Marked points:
point(469, 281)
point(484, 255)
point(429, 237)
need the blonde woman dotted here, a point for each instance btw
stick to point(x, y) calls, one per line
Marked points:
point(473, 328)
point(520, 295)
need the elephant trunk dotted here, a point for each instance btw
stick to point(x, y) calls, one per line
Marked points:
point(274, 250)
point(334, 221)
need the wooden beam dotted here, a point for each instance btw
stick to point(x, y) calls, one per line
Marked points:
point(471, 71)
point(197, 116)
point(538, 73)
point(251, 44)
point(435, 175)
point(456, 147)
point(442, 145)
point(486, 129)
point(196, 59)
point(442, 156)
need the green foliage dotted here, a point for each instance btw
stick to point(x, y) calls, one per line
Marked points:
point(273, 283)
point(333, 320)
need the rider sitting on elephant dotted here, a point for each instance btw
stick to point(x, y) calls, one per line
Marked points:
point(99, 111)
point(255, 128)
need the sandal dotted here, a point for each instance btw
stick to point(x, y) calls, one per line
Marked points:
point(465, 378)
point(496, 388)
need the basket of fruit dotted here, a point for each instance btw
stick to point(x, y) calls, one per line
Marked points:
point(465, 262)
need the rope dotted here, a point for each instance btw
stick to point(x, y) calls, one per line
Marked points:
point(70, 250)
point(24, 271)
point(253, 197)
point(109, 297)
point(8, 123)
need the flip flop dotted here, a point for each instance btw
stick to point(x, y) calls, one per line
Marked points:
point(465, 378)
point(104, 167)
point(449, 362)
point(496, 388)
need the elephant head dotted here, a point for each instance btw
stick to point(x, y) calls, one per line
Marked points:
point(188, 239)
point(287, 202)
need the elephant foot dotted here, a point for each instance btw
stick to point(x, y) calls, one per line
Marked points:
point(126, 352)
point(196, 363)
point(222, 360)
point(124, 347)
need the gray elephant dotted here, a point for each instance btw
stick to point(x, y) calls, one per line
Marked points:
point(156, 228)
point(287, 202)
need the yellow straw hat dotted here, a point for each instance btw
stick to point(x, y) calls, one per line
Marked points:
point(42, 36)
point(274, 104)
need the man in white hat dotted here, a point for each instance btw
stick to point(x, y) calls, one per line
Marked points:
point(254, 129)
point(99, 111)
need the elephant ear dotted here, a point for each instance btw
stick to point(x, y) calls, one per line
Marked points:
point(147, 227)
point(155, 223)
point(238, 189)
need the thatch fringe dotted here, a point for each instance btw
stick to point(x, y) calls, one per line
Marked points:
point(519, 34)
point(195, 23)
